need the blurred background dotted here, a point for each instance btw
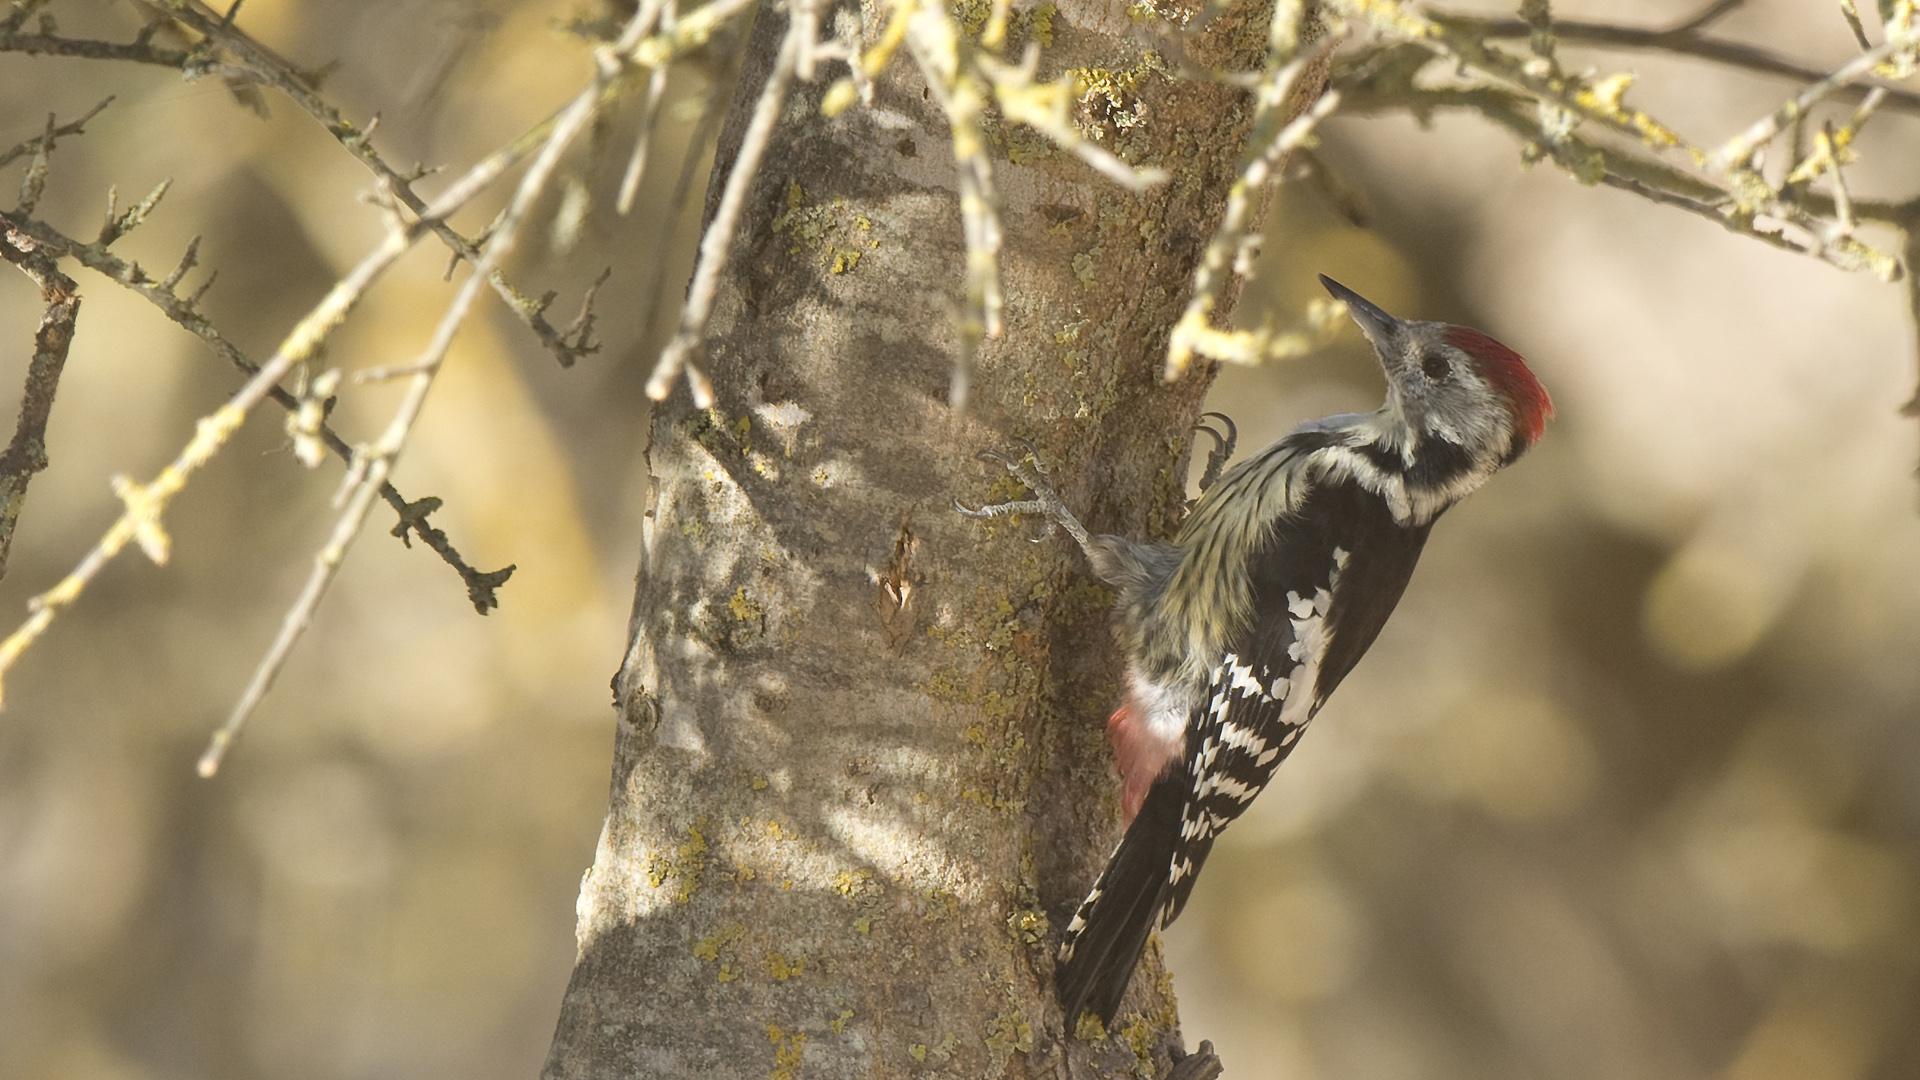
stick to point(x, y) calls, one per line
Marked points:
point(1628, 788)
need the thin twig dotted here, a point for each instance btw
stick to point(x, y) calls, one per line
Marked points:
point(42, 143)
point(1649, 178)
point(934, 41)
point(1272, 137)
point(1742, 205)
point(185, 312)
point(1739, 148)
point(139, 51)
point(1538, 15)
point(1842, 199)
point(1683, 42)
point(1852, 15)
point(682, 352)
point(139, 522)
point(1711, 13)
point(649, 115)
point(690, 31)
point(260, 64)
point(1462, 42)
point(1046, 107)
point(380, 457)
point(27, 453)
point(711, 113)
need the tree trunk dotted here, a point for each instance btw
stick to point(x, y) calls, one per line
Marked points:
point(860, 776)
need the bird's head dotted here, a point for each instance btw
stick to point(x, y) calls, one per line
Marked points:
point(1452, 382)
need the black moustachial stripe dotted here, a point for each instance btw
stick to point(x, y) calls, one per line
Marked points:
point(1438, 462)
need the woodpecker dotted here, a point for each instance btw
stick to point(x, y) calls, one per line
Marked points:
point(1280, 578)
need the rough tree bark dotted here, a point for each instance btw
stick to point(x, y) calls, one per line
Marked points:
point(860, 775)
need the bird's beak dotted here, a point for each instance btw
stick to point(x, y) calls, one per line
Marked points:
point(1380, 327)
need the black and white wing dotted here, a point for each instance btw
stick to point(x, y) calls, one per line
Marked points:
point(1337, 591)
point(1336, 568)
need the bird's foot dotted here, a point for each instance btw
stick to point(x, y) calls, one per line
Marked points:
point(1026, 468)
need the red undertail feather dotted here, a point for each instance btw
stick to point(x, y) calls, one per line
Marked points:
point(1141, 755)
point(1508, 371)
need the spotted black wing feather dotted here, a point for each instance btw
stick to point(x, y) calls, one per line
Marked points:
point(1273, 679)
point(1269, 684)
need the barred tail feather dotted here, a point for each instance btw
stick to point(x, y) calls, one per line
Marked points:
point(1109, 932)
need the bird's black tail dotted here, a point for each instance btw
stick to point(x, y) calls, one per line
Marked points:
point(1110, 930)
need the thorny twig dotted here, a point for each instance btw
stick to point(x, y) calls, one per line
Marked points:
point(27, 453)
point(43, 144)
point(378, 460)
point(253, 63)
point(139, 522)
point(268, 68)
point(140, 50)
point(185, 312)
point(481, 585)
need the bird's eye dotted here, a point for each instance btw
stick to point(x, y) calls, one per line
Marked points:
point(1435, 366)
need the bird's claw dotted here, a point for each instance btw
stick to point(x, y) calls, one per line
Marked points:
point(1028, 470)
point(1222, 447)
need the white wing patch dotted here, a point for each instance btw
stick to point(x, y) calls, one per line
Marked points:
point(1253, 716)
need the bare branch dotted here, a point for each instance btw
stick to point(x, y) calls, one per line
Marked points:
point(1683, 41)
point(933, 40)
point(649, 114)
point(119, 225)
point(1392, 87)
point(682, 352)
point(35, 181)
point(43, 143)
point(380, 457)
point(139, 51)
point(711, 113)
point(140, 520)
point(27, 453)
point(1709, 14)
point(1746, 202)
point(1268, 144)
point(1852, 15)
point(185, 313)
point(1741, 146)
point(1045, 107)
point(254, 62)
